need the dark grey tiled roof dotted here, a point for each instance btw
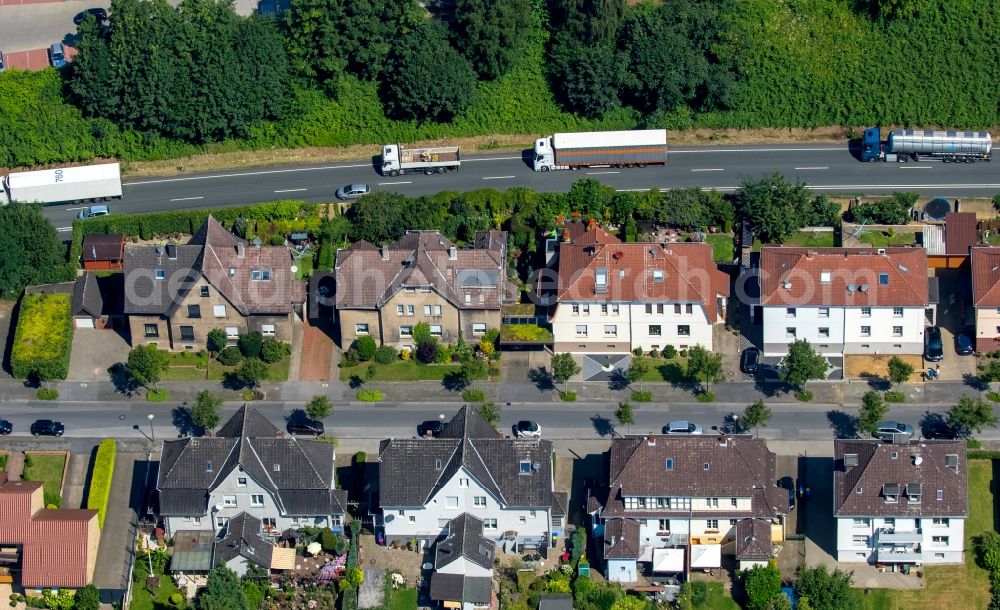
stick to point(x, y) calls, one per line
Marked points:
point(412, 470)
point(918, 467)
point(87, 299)
point(753, 540)
point(467, 589)
point(621, 539)
point(555, 601)
point(560, 503)
point(146, 295)
point(300, 473)
point(243, 538)
point(465, 539)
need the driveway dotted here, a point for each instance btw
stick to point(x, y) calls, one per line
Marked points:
point(94, 352)
point(954, 290)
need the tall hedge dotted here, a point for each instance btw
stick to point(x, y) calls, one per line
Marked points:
point(44, 337)
point(100, 479)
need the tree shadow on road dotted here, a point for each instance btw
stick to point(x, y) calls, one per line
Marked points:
point(602, 425)
point(181, 419)
point(844, 425)
point(935, 426)
point(975, 382)
point(542, 378)
point(618, 380)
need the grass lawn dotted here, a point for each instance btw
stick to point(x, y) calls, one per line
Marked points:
point(722, 247)
point(717, 599)
point(3, 461)
point(403, 599)
point(814, 239)
point(45, 468)
point(881, 239)
point(673, 370)
point(190, 366)
point(304, 265)
point(143, 599)
point(966, 586)
point(401, 370)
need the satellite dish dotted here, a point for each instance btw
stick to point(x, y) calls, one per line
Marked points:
point(863, 287)
point(787, 285)
point(257, 242)
point(852, 288)
point(295, 268)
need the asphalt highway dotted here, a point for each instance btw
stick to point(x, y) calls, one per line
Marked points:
point(824, 168)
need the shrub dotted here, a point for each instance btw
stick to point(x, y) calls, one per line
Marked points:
point(804, 395)
point(705, 397)
point(367, 395)
point(272, 350)
point(669, 352)
point(473, 395)
point(176, 599)
point(230, 356)
point(445, 353)
point(52, 500)
point(100, 479)
point(895, 396)
point(328, 540)
point(217, 339)
point(642, 396)
point(385, 354)
point(422, 332)
point(365, 347)
point(683, 353)
point(250, 344)
point(637, 352)
point(567, 396)
point(427, 351)
point(43, 338)
point(47, 393)
point(404, 354)
point(654, 353)
point(993, 396)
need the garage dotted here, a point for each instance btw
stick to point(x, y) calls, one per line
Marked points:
point(79, 322)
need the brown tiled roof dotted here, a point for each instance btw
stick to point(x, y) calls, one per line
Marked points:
point(368, 277)
point(741, 467)
point(753, 540)
point(99, 247)
point(800, 269)
point(959, 232)
point(986, 276)
point(689, 273)
point(621, 539)
point(860, 490)
point(87, 298)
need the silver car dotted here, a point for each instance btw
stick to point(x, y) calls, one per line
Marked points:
point(353, 191)
point(93, 212)
point(681, 427)
point(886, 430)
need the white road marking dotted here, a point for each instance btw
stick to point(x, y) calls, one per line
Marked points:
point(713, 169)
point(846, 187)
point(187, 198)
point(79, 208)
point(492, 159)
point(818, 167)
point(599, 173)
point(64, 229)
point(915, 167)
point(498, 177)
point(385, 183)
point(291, 191)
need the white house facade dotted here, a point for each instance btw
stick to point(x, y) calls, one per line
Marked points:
point(463, 565)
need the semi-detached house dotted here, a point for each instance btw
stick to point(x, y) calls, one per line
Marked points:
point(844, 300)
point(614, 297)
point(986, 297)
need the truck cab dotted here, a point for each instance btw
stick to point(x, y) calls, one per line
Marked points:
point(545, 159)
point(871, 145)
point(390, 159)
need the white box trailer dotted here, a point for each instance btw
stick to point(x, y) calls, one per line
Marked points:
point(86, 183)
point(636, 148)
point(397, 159)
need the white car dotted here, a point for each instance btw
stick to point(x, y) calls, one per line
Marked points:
point(527, 429)
point(681, 427)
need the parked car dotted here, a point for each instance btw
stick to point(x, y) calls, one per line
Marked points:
point(1, 61)
point(47, 427)
point(57, 55)
point(963, 344)
point(431, 427)
point(99, 13)
point(682, 427)
point(933, 348)
point(6, 427)
point(352, 191)
point(750, 360)
point(305, 426)
point(93, 212)
point(886, 430)
point(527, 429)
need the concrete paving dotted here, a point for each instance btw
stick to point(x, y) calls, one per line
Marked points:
point(94, 352)
point(76, 481)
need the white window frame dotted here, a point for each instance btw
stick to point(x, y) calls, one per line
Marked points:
point(479, 328)
point(267, 330)
point(232, 332)
point(610, 330)
point(581, 330)
point(255, 502)
point(489, 524)
point(436, 330)
point(427, 310)
point(824, 312)
point(437, 310)
point(479, 501)
point(406, 330)
point(866, 331)
point(451, 502)
point(241, 481)
point(897, 312)
point(897, 331)
point(229, 501)
point(683, 330)
point(219, 311)
point(399, 310)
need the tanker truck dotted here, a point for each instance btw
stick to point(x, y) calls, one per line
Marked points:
point(86, 183)
point(397, 159)
point(637, 148)
point(904, 145)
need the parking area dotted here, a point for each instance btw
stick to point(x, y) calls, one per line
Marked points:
point(35, 59)
point(94, 352)
point(952, 313)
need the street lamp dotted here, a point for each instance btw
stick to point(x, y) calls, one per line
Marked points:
point(152, 435)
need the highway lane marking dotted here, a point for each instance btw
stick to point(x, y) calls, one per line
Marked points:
point(817, 167)
point(291, 190)
point(498, 177)
point(242, 174)
point(79, 208)
point(386, 183)
point(713, 169)
point(600, 173)
point(187, 198)
point(834, 187)
point(492, 159)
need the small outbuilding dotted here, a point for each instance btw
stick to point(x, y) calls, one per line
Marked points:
point(103, 252)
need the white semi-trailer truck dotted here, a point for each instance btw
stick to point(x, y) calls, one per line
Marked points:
point(86, 183)
point(637, 148)
point(398, 160)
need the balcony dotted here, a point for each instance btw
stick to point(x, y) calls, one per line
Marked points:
point(887, 536)
point(898, 555)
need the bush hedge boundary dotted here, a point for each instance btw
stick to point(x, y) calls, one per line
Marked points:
point(46, 366)
point(100, 479)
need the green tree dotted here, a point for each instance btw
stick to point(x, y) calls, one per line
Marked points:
point(756, 415)
point(87, 598)
point(899, 370)
point(987, 546)
point(590, 198)
point(30, 250)
point(625, 416)
point(893, 210)
point(971, 415)
point(629, 602)
point(704, 366)
point(427, 79)
point(223, 591)
point(762, 584)
point(319, 407)
point(637, 369)
point(207, 410)
point(472, 368)
point(217, 340)
point(586, 78)
point(422, 332)
point(989, 372)
point(589, 21)
point(490, 411)
point(378, 217)
point(780, 602)
point(491, 33)
point(825, 591)
point(145, 365)
point(802, 364)
point(564, 366)
point(773, 206)
point(873, 410)
point(252, 372)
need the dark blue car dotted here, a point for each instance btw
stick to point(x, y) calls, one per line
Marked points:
point(964, 345)
point(933, 348)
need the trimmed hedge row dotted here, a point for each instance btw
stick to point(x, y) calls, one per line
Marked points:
point(100, 479)
point(44, 337)
point(983, 455)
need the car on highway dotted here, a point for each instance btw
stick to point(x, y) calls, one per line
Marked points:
point(682, 427)
point(99, 13)
point(750, 360)
point(93, 212)
point(47, 427)
point(933, 348)
point(431, 427)
point(887, 430)
point(963, 344)
point(527, 429)
point(6, 427)
point(353, 191)
point(57, 55)
point(305, 426)
point(1, 61)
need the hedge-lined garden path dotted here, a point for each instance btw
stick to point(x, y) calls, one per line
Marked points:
point(76, 479)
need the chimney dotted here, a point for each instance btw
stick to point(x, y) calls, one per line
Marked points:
point(385, 253)
point(240, 250)
point(651, 440)
point(810, 254)
point(723, 441)
point(93, 251)
point(172, 251)
point(453, 253)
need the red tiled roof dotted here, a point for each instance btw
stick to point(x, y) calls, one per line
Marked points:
point(959, 233)
point(986, 276)
point(689, 273)
point(792, 276)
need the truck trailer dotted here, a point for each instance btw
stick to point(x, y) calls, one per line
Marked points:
point(83, 184)
point(904, 145)
point(397, 159)
point(637, 148)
